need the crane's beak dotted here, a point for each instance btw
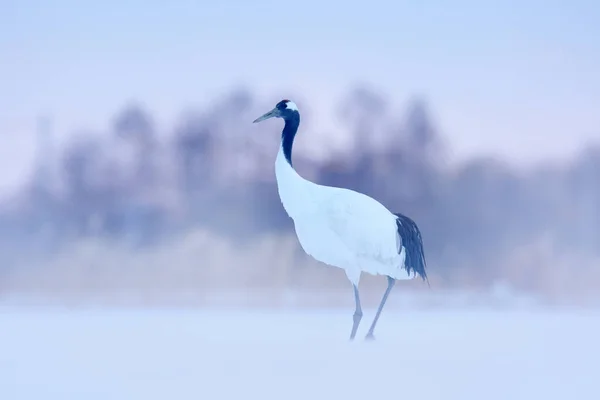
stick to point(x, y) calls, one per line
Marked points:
point(271, 114)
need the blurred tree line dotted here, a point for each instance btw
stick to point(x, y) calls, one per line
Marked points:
point(138, 186)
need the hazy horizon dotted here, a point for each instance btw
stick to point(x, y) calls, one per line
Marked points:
point(504, 84)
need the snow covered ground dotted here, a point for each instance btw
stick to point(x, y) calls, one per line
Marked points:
point(53, 353)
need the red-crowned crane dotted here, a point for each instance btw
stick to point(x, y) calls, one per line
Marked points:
point(344, 228)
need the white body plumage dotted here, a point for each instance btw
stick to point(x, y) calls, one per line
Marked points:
point(341, 227)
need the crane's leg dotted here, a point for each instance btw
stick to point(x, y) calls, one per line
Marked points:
point(357, 313)
point(391, 282)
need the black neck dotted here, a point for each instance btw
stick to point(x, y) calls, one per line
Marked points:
point(289, 133)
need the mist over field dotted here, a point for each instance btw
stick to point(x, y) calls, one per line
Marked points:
point(192, 211)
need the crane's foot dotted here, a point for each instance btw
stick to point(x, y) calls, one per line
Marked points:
point(355, 322)
point(370, 337)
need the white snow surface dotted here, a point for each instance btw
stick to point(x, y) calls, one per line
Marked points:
point(95, 353)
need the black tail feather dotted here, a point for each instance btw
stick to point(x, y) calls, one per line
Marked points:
point(413, 244)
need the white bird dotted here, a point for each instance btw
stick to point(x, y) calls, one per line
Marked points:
point(344, 228)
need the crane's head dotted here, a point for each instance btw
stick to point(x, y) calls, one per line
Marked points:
point(284, 109)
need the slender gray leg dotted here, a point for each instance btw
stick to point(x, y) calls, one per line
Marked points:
point(357, 313)
point(391, 282)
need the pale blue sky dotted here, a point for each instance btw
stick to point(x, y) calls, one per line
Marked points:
point(500, 75)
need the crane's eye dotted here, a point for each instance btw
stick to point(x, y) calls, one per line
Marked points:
point(282, 105)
